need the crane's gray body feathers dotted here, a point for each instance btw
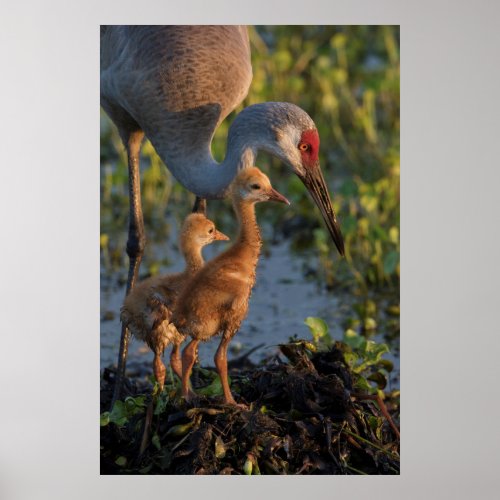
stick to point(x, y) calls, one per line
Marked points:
point(177, 84)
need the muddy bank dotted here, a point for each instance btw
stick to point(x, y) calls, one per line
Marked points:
point(306, 415)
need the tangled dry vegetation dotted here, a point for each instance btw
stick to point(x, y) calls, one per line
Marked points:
point(305, 416)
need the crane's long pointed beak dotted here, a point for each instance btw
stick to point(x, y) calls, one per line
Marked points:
point(316, 185)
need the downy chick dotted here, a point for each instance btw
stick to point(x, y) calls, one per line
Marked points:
point(148, 307)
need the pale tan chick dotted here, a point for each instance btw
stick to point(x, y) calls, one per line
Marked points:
point(147, 308)
point(215, 300)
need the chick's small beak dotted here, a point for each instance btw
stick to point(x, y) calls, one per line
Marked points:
point(275, 196)
point(220, 236)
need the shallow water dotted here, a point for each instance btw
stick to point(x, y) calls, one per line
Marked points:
point(281, 300)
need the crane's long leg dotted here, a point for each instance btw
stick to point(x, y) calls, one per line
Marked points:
point(135, 243)
point(200, 206)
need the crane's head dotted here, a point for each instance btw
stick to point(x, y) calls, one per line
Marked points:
point(297, 144)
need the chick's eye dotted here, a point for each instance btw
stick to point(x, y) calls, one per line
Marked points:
point(211, 230)
point(304, 146)
point(255, 186)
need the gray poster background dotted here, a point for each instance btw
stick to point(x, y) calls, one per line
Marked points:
point(49, 230)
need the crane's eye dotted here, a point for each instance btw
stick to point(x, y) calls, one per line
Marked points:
point(255, 186)
point(211, 230)
point(303, 146)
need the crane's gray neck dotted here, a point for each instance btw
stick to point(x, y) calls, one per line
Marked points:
point(193, 165)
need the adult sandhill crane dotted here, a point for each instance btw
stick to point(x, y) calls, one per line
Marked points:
point(175, 84)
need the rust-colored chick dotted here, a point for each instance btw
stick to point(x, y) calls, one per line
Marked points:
point(147, 308)
point(215, 300)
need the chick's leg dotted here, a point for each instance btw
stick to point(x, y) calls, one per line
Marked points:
point(220, 359)
point(188, 359)
point(176, 360)
point(159, 369)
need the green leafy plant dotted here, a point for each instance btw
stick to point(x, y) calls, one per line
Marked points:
point(364, 357)
point(319, 331)
point(123, 410)
point(213, 389)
